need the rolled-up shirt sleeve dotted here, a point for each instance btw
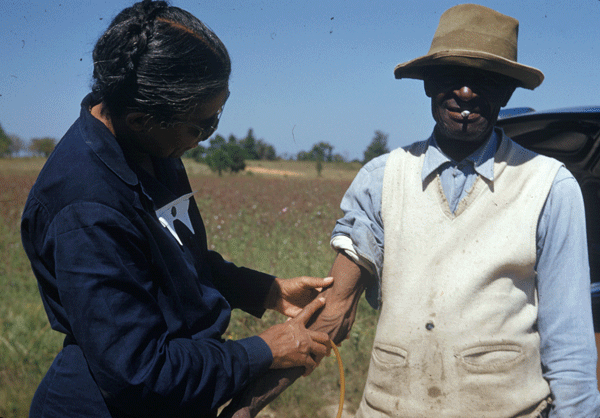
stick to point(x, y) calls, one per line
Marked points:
point(567, 345)
point(359, 233)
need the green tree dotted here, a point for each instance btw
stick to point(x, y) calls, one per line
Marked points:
point(319, 152)
point(5, 143)
point(16, 145)
point(338, 158)
point(225, 155)
point(42, 146)
point(265, 151)
point(249, 145)
point(322, 152)
point(218, 160)
point(377, 147)
point(217, 142)
point(304, 156)
point(236, 155)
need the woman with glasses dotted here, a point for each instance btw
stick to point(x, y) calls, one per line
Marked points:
point(119, 249)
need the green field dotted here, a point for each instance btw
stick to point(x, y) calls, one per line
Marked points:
point(275, 217)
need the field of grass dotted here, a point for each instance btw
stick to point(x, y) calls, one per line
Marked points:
point(276, 219)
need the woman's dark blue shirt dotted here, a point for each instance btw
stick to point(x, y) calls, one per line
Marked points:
point(143, 308)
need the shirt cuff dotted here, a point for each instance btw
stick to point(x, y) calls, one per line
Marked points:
point(259, 354)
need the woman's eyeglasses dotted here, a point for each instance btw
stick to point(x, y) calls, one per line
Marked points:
point(200, 132)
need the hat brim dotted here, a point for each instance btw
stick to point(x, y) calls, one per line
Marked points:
point(528, 77)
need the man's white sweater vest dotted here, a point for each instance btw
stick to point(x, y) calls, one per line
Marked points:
point(457, 332)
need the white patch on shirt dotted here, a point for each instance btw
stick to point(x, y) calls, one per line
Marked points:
point(176, 210)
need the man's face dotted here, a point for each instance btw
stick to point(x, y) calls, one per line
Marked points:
point(465, 102)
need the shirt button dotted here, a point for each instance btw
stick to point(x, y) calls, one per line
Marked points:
point(429, 326)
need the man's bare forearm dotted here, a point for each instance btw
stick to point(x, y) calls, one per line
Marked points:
point(336, 319)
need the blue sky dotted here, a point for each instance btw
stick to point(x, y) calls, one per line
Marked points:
point(303, 71)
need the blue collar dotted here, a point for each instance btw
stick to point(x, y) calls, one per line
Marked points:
point(171, 181)
point(482, 159)
point(104, 144)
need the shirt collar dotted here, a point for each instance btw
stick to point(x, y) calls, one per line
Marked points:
point(171, 171)
point(103, 142)
point(482, 159)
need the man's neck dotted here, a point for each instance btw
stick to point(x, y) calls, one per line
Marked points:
point(458, 149)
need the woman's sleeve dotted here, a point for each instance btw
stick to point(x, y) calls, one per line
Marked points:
point(105, 283)
point(243, 288)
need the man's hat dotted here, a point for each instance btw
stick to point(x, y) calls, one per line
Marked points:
point(474, 36)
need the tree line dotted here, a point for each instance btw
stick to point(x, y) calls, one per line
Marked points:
point(323, 151)
point(230, 155)
point(221, 155)
point(13, 146)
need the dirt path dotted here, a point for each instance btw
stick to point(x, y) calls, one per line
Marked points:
point(262, 170)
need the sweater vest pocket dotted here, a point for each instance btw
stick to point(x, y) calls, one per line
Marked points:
point(387, 378)
point(389, 356)
point(491, 357)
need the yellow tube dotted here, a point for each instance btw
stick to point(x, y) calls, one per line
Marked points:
point(342, 379)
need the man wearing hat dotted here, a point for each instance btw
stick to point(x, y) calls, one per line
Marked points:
point(474, 249)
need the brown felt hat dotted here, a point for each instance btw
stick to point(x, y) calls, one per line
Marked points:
point(474, 36)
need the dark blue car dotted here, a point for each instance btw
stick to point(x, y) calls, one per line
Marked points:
point(571, 135)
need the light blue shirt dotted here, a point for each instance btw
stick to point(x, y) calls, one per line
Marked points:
point(567, 345)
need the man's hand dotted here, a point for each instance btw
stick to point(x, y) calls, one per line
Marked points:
point(290, 296)
point(293, 345)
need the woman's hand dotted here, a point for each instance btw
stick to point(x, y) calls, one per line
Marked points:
point(292, 345)
point(290, 296)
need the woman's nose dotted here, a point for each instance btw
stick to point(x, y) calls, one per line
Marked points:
point(465, 93)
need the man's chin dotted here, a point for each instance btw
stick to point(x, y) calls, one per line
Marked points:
point(464, 135)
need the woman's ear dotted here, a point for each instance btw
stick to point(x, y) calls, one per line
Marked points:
point(139, 121)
